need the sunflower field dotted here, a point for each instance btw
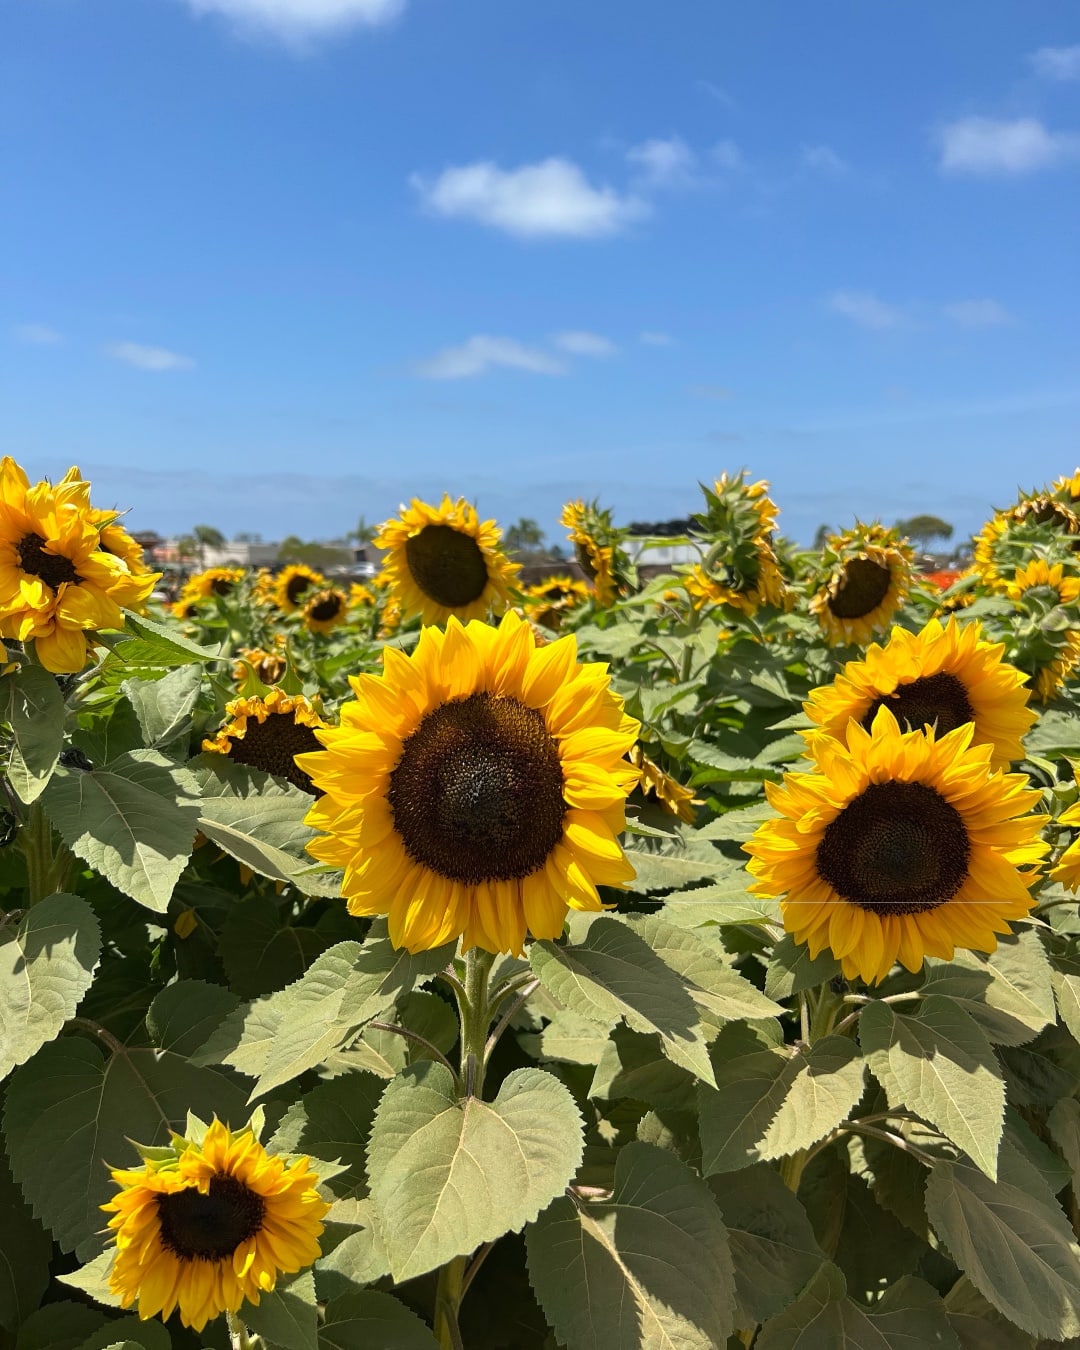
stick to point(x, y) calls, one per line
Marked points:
point(643, 962)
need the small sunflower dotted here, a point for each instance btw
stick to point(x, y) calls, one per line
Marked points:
point(741, 567)
point(293, 583)
point(1043, 586)
point(900, 845)
point(670, 794)
point(548, 600)
point(360, 597)
point(210, 1226)
point(268, 733)
point(597, 548)
point(476, 788)
point(57, 584)
point(325, 610)
point(1067, 870)
point(202, 586)
point(869, 574)
point(443, 560)
point(269, 666)
point(940, 677)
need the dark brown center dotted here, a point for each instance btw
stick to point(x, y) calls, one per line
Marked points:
point(1044, 511)
point(197, 1227)
point(447, 565)
point(221, 585)
point(477, 794)
point(270, 745)
point(898, 848)
point(939, 700)
point(862, 586)
point(584, 557)
point(53, 568)
point(296, 587)
point(324, 607)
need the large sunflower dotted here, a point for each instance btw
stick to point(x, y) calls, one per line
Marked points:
point(900, 845)
point(869, 576)
point(57, 584)
point(940, 677)
point(210, 1226)
point(268, 733)
point(325, 610)
point(444, 560)
point(1045, 586)
point(476, 788)
point(292, 584)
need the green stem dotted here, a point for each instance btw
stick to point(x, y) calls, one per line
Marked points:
point(45, 871)
point(447, 1301)
point(238, 1333)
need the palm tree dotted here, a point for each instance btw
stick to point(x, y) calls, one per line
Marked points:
point(207, 537)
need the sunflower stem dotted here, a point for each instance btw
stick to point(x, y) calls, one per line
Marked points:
point(45, 871)
point(238, 1333)
point(448, 1295)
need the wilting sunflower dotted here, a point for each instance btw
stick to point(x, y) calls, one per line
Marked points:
point(476, 788)
point(57, 585)
point(268, 666)
point(1042, 587)
point(1038, 526)
point(210, 1226)
point(762, 585)
point(670, 794)
point(740, 568)
point(869, 574)
point(595, 557)
point(325, 610)
point(548, 600)
point(900, 845)
point(268, 733)
point(444, 560)
point(202, 586)
point(292, 585)
point(940, 677)
point(1067, 870)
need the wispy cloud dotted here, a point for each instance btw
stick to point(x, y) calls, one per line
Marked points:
point(37, 334)
point(581, 343)
point(865, 309)
point(727, 155)
point(148, 358)
point(716, 92)
point(823, 159)
point(977, 313)
point(550, 199)
point(663, 163)
point(299, 19)
point(654, 339)
point(479, 354)
point(1057, 63)
point(983, 145)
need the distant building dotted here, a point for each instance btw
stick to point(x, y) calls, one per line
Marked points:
point(661, 556)
point(237, 553)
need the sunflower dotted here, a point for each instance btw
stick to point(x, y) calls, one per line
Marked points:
point(1039, 526)
point(293, 583)
point(325, 610)
point(669, 794)
point(741, 568)
point(1068, 489)
point(765, 586)
point(548, 600)
point(1067, 870)
point(360, 597)
point(444, 560)
point(267, 733)
point(598, 549)
point(268, 666)
point(899, 845)
point(869, 576)
point(1048, 587)
point(476, 788)
point(57, 584)
point(940, 677)
point(201, 586)
point(211, 1225)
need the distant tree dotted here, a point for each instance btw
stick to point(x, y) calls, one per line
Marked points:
point(186, 548)
point(364, 533)
point(207, 537)
point(320, 556)
point(922, 529)
point(525, 536)
point(245, 538)
point(821, 535)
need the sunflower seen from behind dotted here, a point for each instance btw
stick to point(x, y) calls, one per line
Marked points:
point(898, 846)
point(1049, 651)
point(444, 560)
point(476, 788)
point(211, 1225)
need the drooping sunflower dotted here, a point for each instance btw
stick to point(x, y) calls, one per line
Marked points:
point(669, 794)
point(292, 585)
point(548, 600)
point(594, 557)
point(443, 560)
point(476, 788)
point(268, 733)
point(211, 1225)
point(201, 586)
point(868, 575)
point(942, 677)
point(325, 610)
point(741, 567)
point(268, 666)
point(900, 845)
point(57, 584)
point(1040, 587)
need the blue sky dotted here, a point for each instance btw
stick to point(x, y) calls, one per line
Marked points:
point(275, 264)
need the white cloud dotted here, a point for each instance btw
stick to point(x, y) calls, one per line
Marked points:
point(298, 19)
point(865, 309)
point(823, 159)
point(148, 358)
point(37, 334)
point(552, 199)
point(977, 313)
point(579, 343)
point(982, 145)
point(1057, 63)
point(663, 164)
point(479, 354)
point(654, 339)
point(727, 154)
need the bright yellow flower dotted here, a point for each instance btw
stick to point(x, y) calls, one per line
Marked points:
point(212, 1226)
point(670, 794)
point(476, 788)
point(548, 600)
point(201, 586)
point(867, 584)
point(595, 558)
point(1067, 870)
point(293, 583)
point(268, 733)
point(899, 845)
point(325, 610)
point(269, 666)
point(1064, 589)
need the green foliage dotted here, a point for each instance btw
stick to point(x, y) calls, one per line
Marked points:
point(33, 707)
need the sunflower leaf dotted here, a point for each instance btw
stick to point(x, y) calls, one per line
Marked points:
point(46, 965)
point(447, 1175)
point(164, 707)
point(331, 1123)
point(941, 1066)
point(288, 1316)
point(791, 968)
point(25, 1250)
point(1008, 992)
point(650, 1268)
point(367, 1318)
point(33, 708)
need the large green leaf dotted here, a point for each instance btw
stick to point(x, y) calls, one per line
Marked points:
point(1064, 1125)
point(134, 821)
point(368, 1319)
point(1008, 991)
point(287, 1318)
point(792, 969)
point(769, 1103)
point(129, 1333)
point(331, 1123)
point(941, 1066)
point(615, 975)
point(46, 965)
point(1067, 990)
point(164, 707)
point(648, 1269)
point(359, 1258)
point(184, 1014)
point(911, 1316)
point(381, 973)
point(447, 1175)
point(33, 707)
point(158, 646)
point(634, 1066)
point(25, 1250)
point(59, 1326)
point(70, 1113)
point(261, 951)
point(979, 1325)
point(1012, 1241)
